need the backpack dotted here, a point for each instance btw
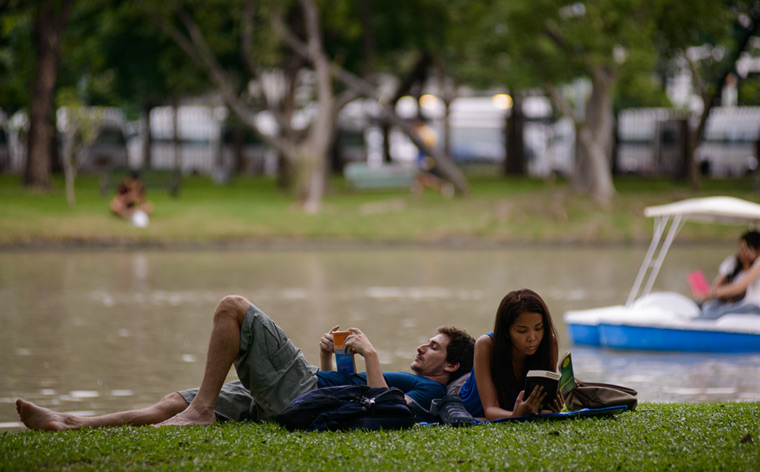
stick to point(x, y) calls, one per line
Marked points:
point(600, 395)
point(348, 407)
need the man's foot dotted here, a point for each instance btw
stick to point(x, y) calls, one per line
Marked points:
point(42, 419)
point(190, 417)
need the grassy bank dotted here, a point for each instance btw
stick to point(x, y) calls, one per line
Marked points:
point(252, 210)
point(656, 437)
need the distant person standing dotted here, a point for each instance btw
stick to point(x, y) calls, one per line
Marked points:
point(130, 201)
point(428, 173)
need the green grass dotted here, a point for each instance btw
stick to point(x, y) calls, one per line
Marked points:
point(707, 436)
point(253, 210)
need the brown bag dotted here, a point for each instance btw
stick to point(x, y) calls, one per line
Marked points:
point(600, 395)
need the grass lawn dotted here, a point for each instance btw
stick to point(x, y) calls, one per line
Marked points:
point(707, 436)
point(253, 210)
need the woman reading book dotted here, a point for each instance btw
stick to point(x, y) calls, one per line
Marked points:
point(523, 339)
point(736, 288)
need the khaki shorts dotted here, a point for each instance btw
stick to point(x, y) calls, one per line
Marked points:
point(272, 372)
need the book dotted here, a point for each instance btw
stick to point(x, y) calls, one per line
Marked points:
point(545, 378)
point(563, 381)
point(344, 358)
point(567, 376)
point(698, 282)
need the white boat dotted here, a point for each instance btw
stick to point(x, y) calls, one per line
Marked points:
point(667, 321)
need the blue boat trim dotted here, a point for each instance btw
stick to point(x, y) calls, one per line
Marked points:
point(585, 335)
point(669, 339)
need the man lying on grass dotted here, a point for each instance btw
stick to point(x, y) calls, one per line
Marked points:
point(273, 372)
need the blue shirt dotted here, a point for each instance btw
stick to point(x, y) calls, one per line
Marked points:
point(470, 395)
point(420, 389)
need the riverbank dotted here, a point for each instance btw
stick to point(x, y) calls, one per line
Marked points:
point(252, 212)
point(706, 436)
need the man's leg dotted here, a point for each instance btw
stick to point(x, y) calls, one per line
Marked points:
point(43, 419)
point(223, 348)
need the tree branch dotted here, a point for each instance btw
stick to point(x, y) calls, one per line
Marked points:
point(556, 38)
point(563, 104)
point(364, 88)
point(246, 36)
point(197, 48)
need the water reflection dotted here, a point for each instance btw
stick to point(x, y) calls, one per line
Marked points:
point(100, 331)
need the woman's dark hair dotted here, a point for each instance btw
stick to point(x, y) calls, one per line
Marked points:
point(752, 238)
point(515, 303)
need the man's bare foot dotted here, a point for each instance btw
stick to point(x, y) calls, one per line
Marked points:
point(42, 419)
point(190, 417)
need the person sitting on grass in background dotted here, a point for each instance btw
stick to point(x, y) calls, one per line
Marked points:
point(523, 339)
point(428, 173)
point(273, 372)
point(130, 197)
point(736, 288)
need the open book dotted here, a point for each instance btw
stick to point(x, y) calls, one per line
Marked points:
point(563, 381)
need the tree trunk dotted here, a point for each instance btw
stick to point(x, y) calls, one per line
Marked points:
point(514, 164)
point(313, 151)
point(147, 139)
point(176, 142)
point(595, 139)
point(48, 26)
point(386, 127)
point(69, 164)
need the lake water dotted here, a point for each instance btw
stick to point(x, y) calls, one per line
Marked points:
point(104, 330)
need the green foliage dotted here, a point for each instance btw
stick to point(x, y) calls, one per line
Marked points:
point(749, 91)
point(16, 60)
point(705, 437)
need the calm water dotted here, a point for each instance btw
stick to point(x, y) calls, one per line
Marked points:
point(98, 331)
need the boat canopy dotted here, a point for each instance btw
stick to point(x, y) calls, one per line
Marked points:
point(671, 217)
point(710, 210)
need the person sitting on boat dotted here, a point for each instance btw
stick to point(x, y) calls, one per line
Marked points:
point(736, 288)
point(523, 339)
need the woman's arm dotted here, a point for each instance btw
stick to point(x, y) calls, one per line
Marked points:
point(487, 389)
point(740, 286)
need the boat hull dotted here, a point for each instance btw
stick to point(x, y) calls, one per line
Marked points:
point(662, 321)
point(667, 339)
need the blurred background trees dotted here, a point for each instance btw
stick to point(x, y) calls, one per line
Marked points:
point(286, 69)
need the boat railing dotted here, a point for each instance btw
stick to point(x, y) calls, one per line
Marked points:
point(655, 255)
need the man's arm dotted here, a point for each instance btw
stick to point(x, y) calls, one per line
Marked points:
point(360, 344)
point(327, 350)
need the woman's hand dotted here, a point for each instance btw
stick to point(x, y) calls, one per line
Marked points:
point(530, 405)
point(555, 406)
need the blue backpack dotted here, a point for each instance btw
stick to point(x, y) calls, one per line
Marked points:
point(348, 407)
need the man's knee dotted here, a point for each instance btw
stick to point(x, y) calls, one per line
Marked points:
point(232, 305)
point(172, 404)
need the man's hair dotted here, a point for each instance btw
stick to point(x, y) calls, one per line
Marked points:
point(460, 350)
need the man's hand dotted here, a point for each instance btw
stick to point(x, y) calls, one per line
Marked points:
point(327, 349)
point(359, 343)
